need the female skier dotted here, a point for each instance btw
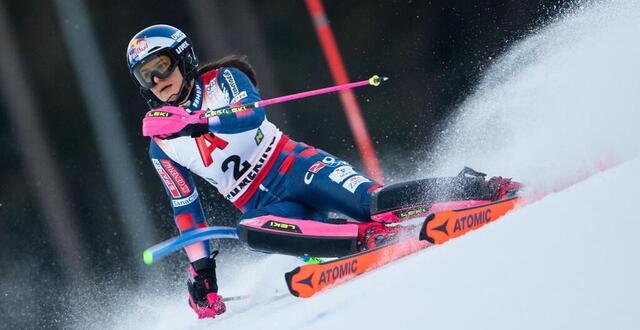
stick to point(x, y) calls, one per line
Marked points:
point(272, 179)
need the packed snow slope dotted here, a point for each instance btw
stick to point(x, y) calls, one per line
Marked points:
point(569, 261)
point(560, 106)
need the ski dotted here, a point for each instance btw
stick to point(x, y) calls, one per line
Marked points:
point(438, 227)
point(306, 280)
point(445, 225)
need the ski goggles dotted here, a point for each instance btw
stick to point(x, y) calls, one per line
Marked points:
point(159, 65)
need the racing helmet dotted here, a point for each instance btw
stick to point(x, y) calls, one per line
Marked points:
point(155, 52)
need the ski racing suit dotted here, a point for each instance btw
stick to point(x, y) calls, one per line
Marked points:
point(253, 164)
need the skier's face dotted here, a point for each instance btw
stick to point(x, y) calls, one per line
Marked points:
point(167, 89)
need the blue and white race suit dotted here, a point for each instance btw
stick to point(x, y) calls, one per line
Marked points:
point(253, 164)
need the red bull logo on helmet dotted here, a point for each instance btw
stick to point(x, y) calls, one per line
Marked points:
point(137, 47)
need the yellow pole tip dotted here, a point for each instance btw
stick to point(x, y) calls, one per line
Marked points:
point(147, 256)
point(376, 80)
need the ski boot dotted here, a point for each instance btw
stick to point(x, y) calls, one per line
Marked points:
point(401, 201)
point(496, 187)
point(375, 234)
point(502, 187)
point(203, 288)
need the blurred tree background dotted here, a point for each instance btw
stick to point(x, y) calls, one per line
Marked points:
point(66, 220)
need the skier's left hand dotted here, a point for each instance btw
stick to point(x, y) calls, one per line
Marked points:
point(209, 306)
point(171, 122)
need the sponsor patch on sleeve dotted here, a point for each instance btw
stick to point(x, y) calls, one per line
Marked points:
point(185, 201)
point(168, 182)
point(177, 177)
point(316, 167)
point(239, 97)
point(354, 182)
point(228, 76)
point(339, 174)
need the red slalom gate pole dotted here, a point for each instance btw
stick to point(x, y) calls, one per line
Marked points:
point(339, 73)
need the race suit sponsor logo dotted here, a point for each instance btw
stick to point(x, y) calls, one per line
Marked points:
point(259, 136)
point(197, 98)
point(340, 173)
point(177, 177)
point(326, 162)
point(472, 220)
point(238, 97)
point(228, 76)
point(253, 173)
point(308, 177)
point(223, 89)
point(313, 169)
point(282, 226)
point(316, 167)
point(171, 187)
point(185, 201)
point(332, 162)
point(354, 182)
point(339, 271)
point(212, 86)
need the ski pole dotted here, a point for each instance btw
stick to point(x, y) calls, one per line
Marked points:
point(169, 246)
point(276, 295)
point(373, 81)
point(234, 298)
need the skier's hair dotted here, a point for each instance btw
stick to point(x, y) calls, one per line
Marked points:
point(236, 61)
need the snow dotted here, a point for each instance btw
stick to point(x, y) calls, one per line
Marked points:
point(561, 102)
point(560, 107)
point(568, 261)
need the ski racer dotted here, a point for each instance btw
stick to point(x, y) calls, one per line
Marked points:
point(271, 178)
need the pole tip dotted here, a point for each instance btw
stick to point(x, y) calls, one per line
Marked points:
point(147, 256)
point(376, 80)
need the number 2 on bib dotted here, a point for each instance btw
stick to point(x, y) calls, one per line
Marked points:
point(237, 171)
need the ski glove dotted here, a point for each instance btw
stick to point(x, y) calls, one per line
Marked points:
point(170, 122)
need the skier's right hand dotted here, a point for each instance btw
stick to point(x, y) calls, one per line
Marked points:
point(192, 130)
point(170, 121)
